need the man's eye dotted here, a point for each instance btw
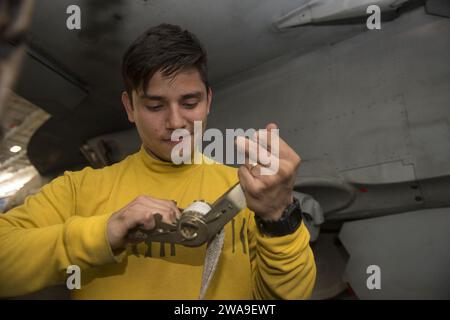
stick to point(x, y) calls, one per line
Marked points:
point(154, 108)
point(190, 105)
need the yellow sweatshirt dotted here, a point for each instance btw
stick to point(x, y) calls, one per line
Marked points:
point(65, 224)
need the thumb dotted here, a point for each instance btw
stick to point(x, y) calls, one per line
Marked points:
point(271, 126)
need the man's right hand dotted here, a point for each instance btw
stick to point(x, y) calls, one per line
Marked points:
point(139, 212)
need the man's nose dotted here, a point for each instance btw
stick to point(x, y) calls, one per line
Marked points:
point(175, 119)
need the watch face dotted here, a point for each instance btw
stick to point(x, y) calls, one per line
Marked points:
point(288, 223)
point(295, 219)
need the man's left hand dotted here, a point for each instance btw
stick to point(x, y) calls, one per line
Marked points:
point(268, 195)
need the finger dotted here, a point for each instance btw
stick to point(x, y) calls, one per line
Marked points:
point(265, 156)
point(170, 205)
point(148, 222)
point(261, 138)
point(137, 218)
point(266, 136)
point(264, 170)
point(255, 170)
point(245, 178)
point(257, 149)
point(142, 209)
point(176, 211)
point(171, 208)
point(268, 163)
point(148, 219)
point(271, 126)
point(270, 137)
point(168, 214)
point(249, 148)
point(250, 184)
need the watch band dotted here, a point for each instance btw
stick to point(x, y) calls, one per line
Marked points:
point(287, 224)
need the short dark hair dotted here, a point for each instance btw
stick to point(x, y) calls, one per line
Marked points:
point(167, 48)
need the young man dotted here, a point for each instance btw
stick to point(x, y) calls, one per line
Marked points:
point(83, 218)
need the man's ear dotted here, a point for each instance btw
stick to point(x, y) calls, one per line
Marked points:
point(208, 105)
point(126, 101)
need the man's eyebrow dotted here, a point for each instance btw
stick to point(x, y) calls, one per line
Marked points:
point(150, 97)
point(196, 94)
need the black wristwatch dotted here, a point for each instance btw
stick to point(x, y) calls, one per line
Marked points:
point(287, 224)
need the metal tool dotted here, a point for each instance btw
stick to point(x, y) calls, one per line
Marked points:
point(198, 224)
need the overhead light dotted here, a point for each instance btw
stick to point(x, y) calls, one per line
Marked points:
point(11, 187)
point(5, 176)
point(15, 149)
point(11, 182)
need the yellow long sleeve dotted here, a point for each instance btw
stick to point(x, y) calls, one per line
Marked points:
point(282, 267)
point(41, 238)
